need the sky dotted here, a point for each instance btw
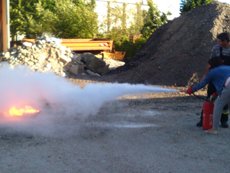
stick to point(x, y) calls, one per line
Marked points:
point(172, 6)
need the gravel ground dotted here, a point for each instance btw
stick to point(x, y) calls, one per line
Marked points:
point(147, 133)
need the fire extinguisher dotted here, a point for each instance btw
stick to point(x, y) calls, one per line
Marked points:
point(207, 119)
point(208, 107)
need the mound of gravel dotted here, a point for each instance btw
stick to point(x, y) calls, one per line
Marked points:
point(178, 50)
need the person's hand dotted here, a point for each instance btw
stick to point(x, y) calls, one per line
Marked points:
point(189, 90)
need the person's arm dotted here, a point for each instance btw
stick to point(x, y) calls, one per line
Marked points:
point(214, 53)
point(202, 84)
point(206, 71)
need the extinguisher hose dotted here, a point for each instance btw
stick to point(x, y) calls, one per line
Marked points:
point(200, 97)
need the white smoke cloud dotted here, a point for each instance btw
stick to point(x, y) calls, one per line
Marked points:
point(62, 104)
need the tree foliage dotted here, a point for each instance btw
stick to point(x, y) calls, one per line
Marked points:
point(129, 36)
point(153, 20)
point(187, 5)
point(60, 18)
point(74, 20)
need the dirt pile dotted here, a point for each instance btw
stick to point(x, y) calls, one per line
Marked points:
point(179, 49)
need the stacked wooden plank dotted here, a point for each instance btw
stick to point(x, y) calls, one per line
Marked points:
point(84, 45)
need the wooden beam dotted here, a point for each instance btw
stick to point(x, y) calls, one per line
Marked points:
point(4, 25)
point(84, 44)
point(1, 27)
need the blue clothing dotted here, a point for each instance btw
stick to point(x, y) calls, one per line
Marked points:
point(217, 76)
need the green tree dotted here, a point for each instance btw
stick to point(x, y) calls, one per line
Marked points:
point(17, 19)
point(187, 5)
point(61, 18)
point(153, 20)
point(39, 19)
point(30, 17)
point(74, 20)
point(138, 19)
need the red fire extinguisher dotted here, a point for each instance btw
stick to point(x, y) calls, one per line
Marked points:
point(207, 114)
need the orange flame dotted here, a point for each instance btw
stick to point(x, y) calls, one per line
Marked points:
point(18, 112)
